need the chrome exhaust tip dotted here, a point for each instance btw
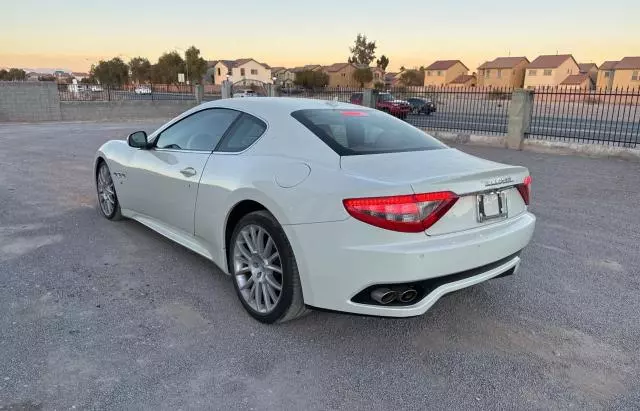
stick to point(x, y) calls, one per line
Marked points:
point(407, 295)
point(384, 296)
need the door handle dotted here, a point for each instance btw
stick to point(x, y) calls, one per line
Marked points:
point(188, 172)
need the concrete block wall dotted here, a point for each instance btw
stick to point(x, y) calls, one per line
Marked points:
point(25, 101)
point(122, 110)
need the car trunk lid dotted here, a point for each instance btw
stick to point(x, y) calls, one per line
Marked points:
point(447, 170)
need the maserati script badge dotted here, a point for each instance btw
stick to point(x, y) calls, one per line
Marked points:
point(498, 181)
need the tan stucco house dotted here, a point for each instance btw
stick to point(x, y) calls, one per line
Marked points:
point(284, 77)
point(443, 72)
point(621, 74)
point(550, 70)
point(464, 80)
point(341, 75)
point(580, 81)
point(505, 72)
point(591, 69)
point(606, 71)
point(308, 67)
point(238, 70)
point(627, 74)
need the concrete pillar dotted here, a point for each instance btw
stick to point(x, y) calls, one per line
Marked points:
point(520, 110)
point(198, 90)
point(226, 89)
point(272, 90)
point(368, 98)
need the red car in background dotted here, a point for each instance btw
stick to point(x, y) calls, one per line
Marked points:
point(387, 103)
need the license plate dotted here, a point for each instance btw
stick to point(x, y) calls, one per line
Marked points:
point(491, 206)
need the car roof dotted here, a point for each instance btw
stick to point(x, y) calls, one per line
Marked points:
point(269, 106)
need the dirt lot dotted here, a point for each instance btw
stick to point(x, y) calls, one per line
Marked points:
point(102, 315)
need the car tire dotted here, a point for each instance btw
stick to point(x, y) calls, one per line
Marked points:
point(253, 279)
point(108, 203)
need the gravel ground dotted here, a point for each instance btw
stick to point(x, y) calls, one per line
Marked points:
point(102, 315)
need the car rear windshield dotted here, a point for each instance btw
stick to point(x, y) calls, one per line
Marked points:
point(357, 132)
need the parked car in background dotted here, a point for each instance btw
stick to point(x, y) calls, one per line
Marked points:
point(386, 102)
point(421, 105)
point(245, 93)
point(97, 88)
point(143, 89)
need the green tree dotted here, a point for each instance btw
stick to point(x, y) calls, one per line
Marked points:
point(402, 68)
point(363, 51)
point(167, 68)
point(363, 75)
point(412, 78)
point(378, 85)
point(14, 74)
point(311, 79)
point(140, 69)
point(114, 72)
point(196, 66)
point(46, 77)
point(383, 62)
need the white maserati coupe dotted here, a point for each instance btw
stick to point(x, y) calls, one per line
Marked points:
point(309, 203)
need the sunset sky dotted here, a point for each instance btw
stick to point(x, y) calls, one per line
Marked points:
point(74, 34)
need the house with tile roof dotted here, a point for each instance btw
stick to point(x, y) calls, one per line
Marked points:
point(591, 69)
point(463, 81)
point(604, 81)
point(284, 77)
point(245, 69)
point(503, 72)
point(442, 72)
point(627, 74)
point(550, 70)
point(580, 81)
point(341, 75)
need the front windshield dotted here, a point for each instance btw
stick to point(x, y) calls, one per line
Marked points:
point(386, 97)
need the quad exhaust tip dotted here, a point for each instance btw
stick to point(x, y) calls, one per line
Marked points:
point(407, 295)
point(385, 296)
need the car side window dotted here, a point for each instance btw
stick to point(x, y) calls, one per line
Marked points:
point(244, 132)
point(200, 131)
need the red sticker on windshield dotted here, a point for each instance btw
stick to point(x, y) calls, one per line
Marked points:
point(354, 113)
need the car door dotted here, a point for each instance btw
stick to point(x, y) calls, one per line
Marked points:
point(164, 179)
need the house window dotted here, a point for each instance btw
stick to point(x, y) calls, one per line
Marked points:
point(607, 74)
point(487, 73)
point(533, 72)
point(429, 73)
point(499, 73)
point(242, 72)
point(254, 72)
point(439, 73)
point(219, 72)
point(344, 74)
point(548, 72)
point(635, 76)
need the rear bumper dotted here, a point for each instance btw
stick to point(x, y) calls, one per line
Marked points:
point(398, 111)
point(338, 260)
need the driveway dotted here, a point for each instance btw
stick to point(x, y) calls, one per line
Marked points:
point(103, 315)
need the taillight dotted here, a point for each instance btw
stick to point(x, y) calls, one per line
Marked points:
point(410, 213)
point(525, 189)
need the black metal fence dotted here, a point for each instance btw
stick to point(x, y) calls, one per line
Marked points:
point(322, 93)
point(96, 92)
point(464, 109)
point(610, 117)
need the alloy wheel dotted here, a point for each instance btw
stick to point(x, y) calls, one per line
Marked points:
point(106, 191)
point(257, 268)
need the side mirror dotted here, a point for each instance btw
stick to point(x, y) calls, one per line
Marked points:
point(138, 139)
